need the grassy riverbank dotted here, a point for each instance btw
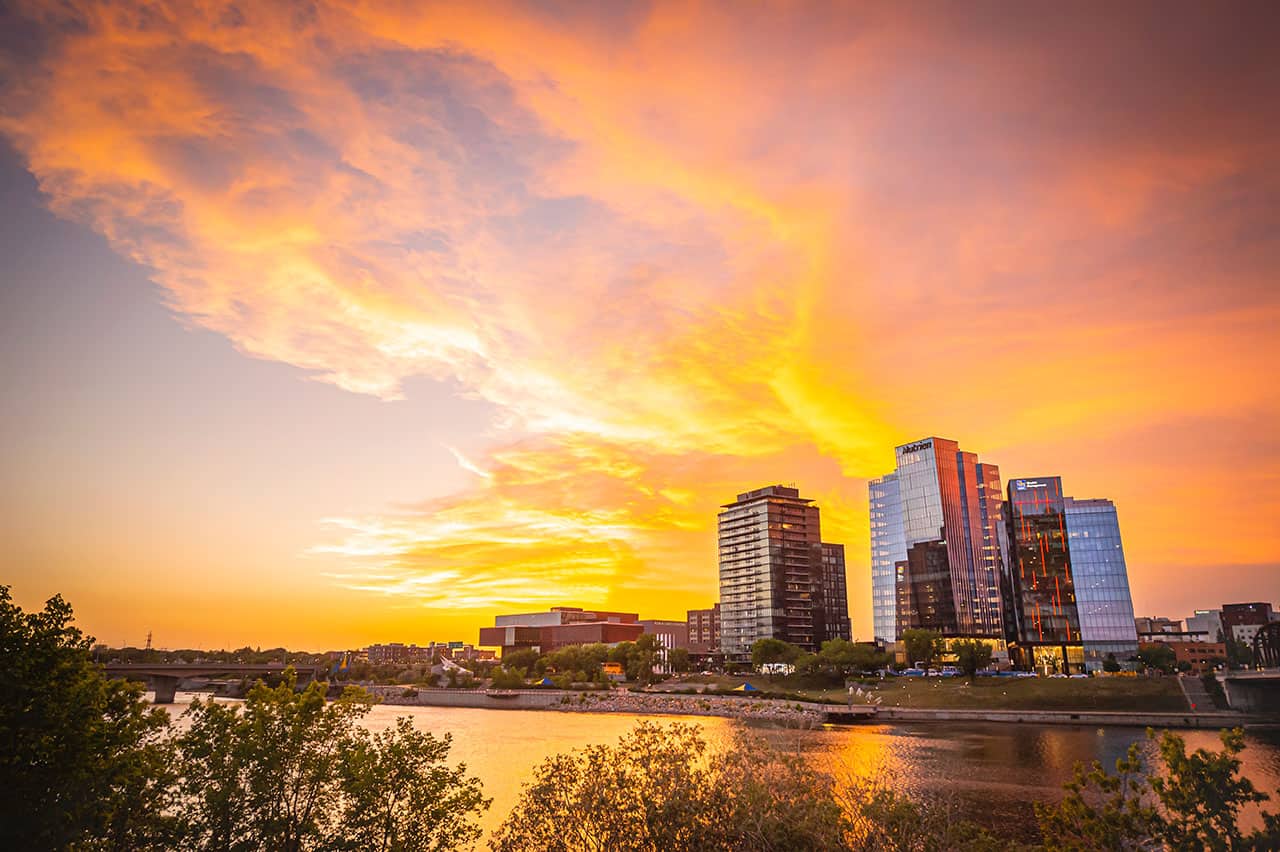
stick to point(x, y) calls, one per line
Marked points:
point(1101, 694)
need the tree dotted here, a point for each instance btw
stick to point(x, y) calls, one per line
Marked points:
point(398, 793)
point(1157, 656)
point(923, 646)
point(971, 656)
point(508, 678)
point(845, 658)
point(574, 658)
point(770, 650)
point(1192, 802)
point(524, 658)
point(83, 759)
point(658, 789)
point(808, 663)
point(678, 660)
point(289, 770)
point(1110, 663)
point(641, 658)
point(1239, 654)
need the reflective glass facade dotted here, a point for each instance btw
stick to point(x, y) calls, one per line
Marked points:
point(771, 580)
point(887, 544)
point(1101, 582)
point(1040, 580)
point(935, 543)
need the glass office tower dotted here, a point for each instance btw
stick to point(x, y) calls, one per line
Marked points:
point(887, 544)
point(935, 543)
point(1101, 582)
point(770, 571)
point(1045, 634)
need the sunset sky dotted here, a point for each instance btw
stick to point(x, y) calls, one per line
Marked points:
point(324, 324)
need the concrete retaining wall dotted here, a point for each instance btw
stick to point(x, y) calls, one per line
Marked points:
point(1061, 717)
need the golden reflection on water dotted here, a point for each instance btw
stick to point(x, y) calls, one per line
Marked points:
point(987, 772)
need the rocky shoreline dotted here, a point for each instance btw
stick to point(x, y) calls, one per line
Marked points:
point(615, 701)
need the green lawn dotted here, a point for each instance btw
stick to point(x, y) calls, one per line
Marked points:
point(990, 693)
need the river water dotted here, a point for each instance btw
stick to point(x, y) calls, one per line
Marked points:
point(987, 772)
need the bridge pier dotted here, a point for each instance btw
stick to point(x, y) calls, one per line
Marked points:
point(1252, 692)
point(165, 688)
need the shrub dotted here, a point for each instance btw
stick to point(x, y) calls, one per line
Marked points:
point(659, 789)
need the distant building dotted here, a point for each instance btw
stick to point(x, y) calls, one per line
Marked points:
point(1242, 620)
point(835, 593)
point(1101, 582)
point(1201, 656)
point(771, 571)
point(1166, 637)
point(396, 652)
point(559, 615)
point(1209, 622)
point(671, 634)
point(399, 653)
point(560, 626)
point(1146, 625)
point(704, 630)
point(935, 544)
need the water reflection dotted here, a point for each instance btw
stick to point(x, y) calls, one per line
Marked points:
point(990, 773)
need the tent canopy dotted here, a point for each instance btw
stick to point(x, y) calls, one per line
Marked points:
point(746, 687)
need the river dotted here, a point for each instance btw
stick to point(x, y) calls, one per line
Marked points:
point(988, 772)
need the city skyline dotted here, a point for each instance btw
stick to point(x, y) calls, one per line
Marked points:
point(326, 329)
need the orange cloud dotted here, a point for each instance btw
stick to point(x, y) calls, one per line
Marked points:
point(683, 251)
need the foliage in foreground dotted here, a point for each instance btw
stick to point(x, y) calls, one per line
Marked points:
point(86, 763)
point(660, 788)
point(663, 788)
point(80, 755)
point(290, 771)
point(1192, 802)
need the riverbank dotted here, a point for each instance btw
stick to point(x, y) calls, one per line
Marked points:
point(792, 713)
point(618, 701)
point(1076, 695)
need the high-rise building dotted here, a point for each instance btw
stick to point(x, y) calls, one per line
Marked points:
point(1044, 630)
point(1101, 582)
point(835, 594)
point(771, 582)
point(887, 544)
point(935, 543)
point(704, 630)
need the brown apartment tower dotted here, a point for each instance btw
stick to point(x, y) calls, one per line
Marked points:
point(772, 578)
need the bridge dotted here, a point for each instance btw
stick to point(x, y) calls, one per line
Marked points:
point(163, 678)
point(1252, 691)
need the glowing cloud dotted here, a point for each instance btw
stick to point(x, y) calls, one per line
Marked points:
point(683, 251)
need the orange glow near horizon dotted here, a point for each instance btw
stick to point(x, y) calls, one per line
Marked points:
point(674, 253)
